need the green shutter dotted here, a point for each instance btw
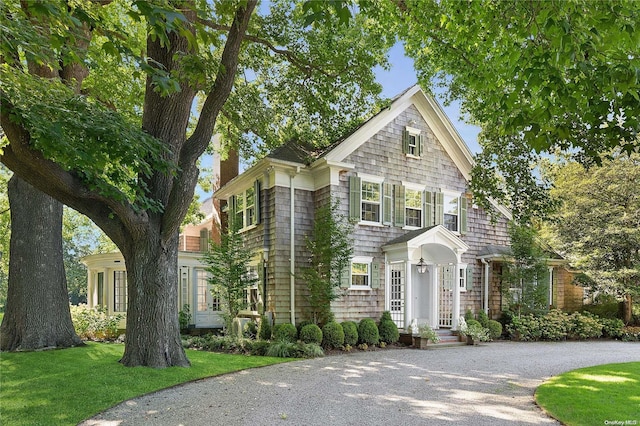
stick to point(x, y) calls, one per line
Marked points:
point(463, 214)
point(428, 209)
point(469, 278)
point(439, 217)
point(420, 142)
point(355, 198)
point(345, 277)
point(405, 142)
point(257, 197)
point(375, 275)
point(398, 191)
point(387, 203)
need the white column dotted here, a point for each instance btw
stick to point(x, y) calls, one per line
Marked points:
point(408, 307)
point(456, 297)
point(434, 317)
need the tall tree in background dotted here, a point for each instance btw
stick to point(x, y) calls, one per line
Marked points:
point(535, 76)
point(269, 76)
point(37, 280)
point(597, 226)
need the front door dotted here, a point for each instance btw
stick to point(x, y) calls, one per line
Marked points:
point(446, 278)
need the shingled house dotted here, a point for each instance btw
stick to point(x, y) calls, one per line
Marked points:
point(423, 250)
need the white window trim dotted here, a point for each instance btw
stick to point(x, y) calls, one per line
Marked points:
point(371, 179)
point(244, 227)
point(414, 187)
point(454, 194)
point(413, 132)
point(462, 281)
point(360, 259)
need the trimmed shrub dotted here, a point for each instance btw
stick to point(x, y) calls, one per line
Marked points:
point(472, 322)
point(286, 332)
point(350, 333)
point(332, 335)
point(386, 316)
point(483, 319)
point(302, 324)
point(311, 333)
point(264, 330)
point(388, 331)
point(495, 329)
point(368, 332)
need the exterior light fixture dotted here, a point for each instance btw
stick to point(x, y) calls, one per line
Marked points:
point(421, 266)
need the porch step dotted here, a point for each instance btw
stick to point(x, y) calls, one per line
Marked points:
point(447, 338)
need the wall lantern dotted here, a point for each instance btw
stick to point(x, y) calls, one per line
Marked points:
point(421, 266)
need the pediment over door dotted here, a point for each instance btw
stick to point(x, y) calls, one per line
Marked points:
point(436, 245)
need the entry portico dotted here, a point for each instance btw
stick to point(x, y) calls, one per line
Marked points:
point(430, 294)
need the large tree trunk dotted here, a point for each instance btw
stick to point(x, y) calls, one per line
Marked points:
point(153, 331)
point(37, 313)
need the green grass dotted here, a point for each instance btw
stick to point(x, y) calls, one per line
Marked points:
point(64, 387)
point(594, 395)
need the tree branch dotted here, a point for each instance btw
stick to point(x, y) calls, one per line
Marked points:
point(306, 67)
point(187, 178)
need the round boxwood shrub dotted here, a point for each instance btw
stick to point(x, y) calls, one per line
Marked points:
point(350, 333)
point(302, 324)
point(332, 335)
point(368, 332)
point(286, 332)
point(495, 329)
point(471, 322)
point(311, 333)
point(387, 329)
point(483, 319)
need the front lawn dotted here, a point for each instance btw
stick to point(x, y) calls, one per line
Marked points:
point(64, 387)
point(605, 394)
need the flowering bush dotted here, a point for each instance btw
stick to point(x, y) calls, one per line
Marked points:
point(584, 326)
point(94, 323)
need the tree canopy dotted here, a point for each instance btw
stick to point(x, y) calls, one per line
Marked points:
point(597, 226)
point(535, 76)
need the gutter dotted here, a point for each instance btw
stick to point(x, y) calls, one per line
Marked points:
point(292, 248)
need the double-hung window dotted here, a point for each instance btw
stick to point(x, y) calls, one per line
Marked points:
point(246, 207)
point(371, 201)
point(361, 272)
point(366, 199)
point(413, 208)
point(451, 212)
point(412, 142)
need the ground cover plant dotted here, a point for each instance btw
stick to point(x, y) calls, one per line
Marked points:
point(64, 387)
point(603, 394)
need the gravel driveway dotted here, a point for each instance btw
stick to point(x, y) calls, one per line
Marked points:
point(491, 384)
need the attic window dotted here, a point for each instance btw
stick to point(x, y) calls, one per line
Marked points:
point(412, 142)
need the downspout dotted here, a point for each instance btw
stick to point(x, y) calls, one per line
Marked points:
point(486, 285)
point(292, 248)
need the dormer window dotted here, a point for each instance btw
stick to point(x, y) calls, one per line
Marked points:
point(412, 142)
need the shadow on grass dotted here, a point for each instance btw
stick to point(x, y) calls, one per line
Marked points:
point(605, 394)
point(67, 386)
